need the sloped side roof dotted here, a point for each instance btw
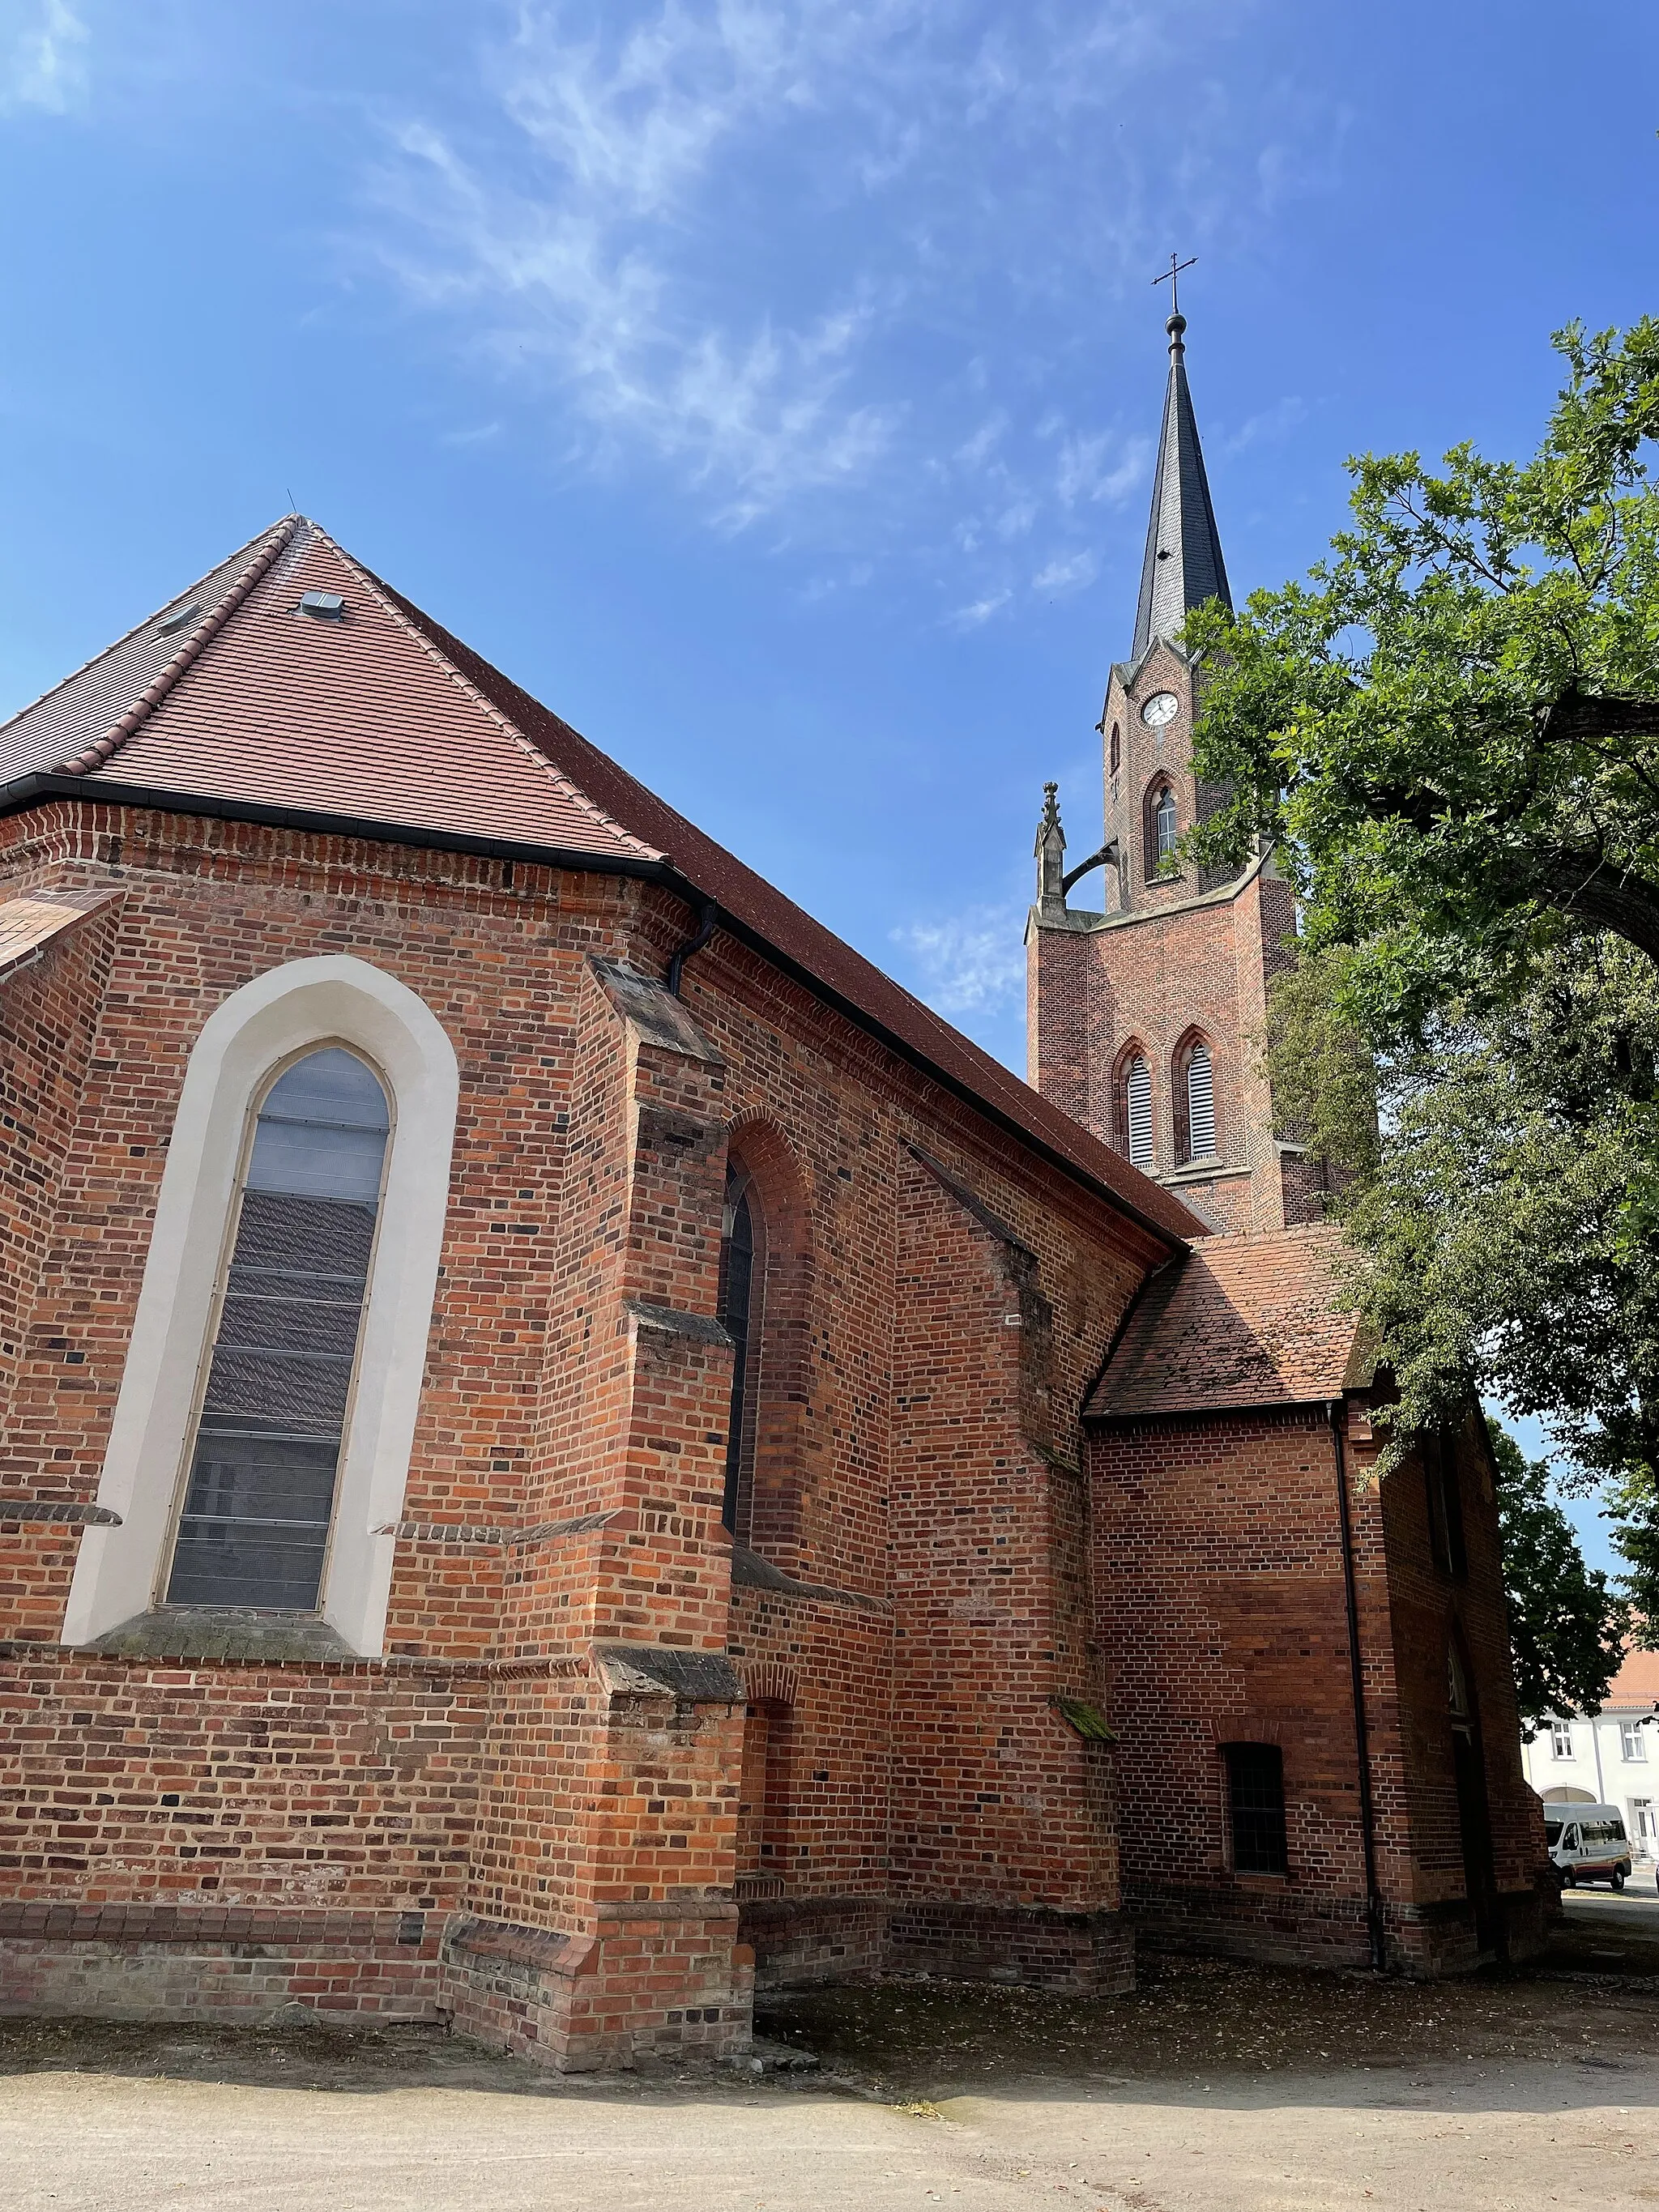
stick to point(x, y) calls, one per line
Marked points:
point(29, 923)
point(1235, 1321)
point(786, 928)
point(354, 715)
point(89, 705)
point(380, 716)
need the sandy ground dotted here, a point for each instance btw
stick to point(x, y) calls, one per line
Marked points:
point(1227, 2089)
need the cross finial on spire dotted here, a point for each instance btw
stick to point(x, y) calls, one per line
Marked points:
point(1169, 276)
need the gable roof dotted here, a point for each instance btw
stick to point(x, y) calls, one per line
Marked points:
point(378, 721)
point(1235, 1321)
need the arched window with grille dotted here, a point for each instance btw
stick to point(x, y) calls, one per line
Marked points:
point(263, 1459)
point(1133, 1106)
point(1193, 1090)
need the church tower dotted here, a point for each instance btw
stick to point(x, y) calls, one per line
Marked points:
point(1142, 1019)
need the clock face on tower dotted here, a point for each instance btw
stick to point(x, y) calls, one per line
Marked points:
point(1163, 707)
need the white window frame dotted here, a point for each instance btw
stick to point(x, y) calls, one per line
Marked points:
point(1630, 1745)
point(337, 999)
point(1560, 1731)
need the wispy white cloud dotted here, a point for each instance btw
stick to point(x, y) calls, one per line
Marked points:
point(43, 55)
point(572, 249)
point(978, 612)
point(1067, 572)
point(743, 237)
point(1268, 427)
point(970, 963)
point(1100, 467)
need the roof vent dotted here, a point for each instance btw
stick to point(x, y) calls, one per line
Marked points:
point(327, 606)
point(180, 618)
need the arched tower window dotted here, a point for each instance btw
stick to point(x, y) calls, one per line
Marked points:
point(739, 1284)
point(1164, 822)
point(1132, 1105)
point(1117, 749)
point(253, 1528)
point(1192, 1092)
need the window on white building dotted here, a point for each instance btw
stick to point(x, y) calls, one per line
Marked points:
point(1560, 1740)
point(1631, 1742)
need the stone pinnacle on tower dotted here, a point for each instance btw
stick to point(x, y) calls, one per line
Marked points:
point(1183, 565)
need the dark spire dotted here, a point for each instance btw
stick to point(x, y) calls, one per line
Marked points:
point(1183, 565)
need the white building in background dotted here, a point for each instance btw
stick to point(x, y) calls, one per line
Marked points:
point(1611, 1761)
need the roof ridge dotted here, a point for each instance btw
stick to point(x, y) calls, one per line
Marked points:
point(391, 601)
point(114, 645)
point(280, 534)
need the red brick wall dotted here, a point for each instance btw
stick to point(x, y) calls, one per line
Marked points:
point(1217, 1537)
point(586, 1185)
point(1162, 968)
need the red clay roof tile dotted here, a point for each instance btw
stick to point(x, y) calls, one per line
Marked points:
point(1238, 1320)
point(381, 716)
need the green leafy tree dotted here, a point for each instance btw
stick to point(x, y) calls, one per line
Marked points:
point(1453, 726)
point(1449, 733)
point(1567, 1628)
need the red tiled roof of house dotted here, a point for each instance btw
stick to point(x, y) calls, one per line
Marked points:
point(378, 715)
point(1238, 1320)
point(1636, 1686)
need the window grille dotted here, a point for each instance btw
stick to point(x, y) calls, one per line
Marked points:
point(1138, 1094)
point(1200, 1105)
point(259, 1495)
point(1255, 1806)
point(1560, 1740)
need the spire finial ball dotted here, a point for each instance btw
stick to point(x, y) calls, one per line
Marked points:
point(1176, 326)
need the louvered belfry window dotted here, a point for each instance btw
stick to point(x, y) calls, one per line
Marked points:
point(1200, 1103)
point(259, 1495)
point(1137, 1097)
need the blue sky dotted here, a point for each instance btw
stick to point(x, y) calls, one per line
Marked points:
point(771, 387)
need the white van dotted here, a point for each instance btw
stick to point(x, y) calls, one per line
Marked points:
point(1588, 1843)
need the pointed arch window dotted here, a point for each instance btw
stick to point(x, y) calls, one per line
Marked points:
point(1162, 824)
point(254, 1522)
point(1134, 1107)
point(1117, 749)
point(1192, 1084)
point(737, 1315)
point(1165, 830)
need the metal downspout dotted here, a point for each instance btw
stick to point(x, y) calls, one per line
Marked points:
point(1335, 1411)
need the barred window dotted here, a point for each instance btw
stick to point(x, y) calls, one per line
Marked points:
point(259, 1499)
point(1255, 1807)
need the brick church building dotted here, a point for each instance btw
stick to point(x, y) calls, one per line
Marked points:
point(566, 1444)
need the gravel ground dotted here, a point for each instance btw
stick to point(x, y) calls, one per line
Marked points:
point(1217, 2087)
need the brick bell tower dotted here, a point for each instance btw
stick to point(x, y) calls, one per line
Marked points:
point(1143, 1019)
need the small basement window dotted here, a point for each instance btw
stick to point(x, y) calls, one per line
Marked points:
point(327, 606)
point(1255, 1807)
